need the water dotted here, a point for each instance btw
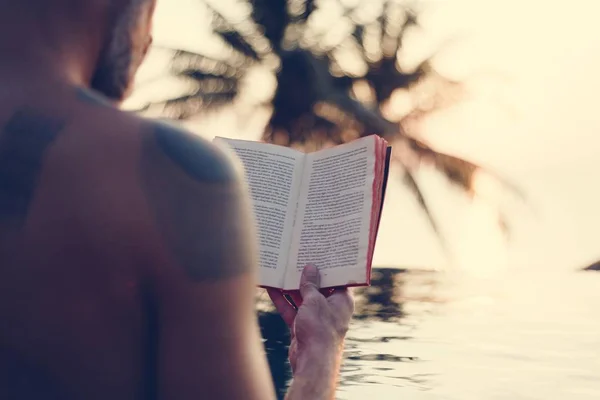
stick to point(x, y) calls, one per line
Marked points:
point(433, 335)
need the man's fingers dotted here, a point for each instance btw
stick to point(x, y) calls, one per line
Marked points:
point(285, 309)
point(297, 297)
point(309, 283)
point(343, 302)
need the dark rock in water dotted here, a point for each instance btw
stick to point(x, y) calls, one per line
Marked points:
point(594, 267)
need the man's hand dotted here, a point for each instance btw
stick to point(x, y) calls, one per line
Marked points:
point(318, 328)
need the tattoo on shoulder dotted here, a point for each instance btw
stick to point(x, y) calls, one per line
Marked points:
point(197, 158)
point(24, 141)
point(201, 219)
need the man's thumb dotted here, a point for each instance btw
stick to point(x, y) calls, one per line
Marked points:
point(310, 281)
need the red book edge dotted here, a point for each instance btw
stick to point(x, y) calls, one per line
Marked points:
point(381, 172)
point(374, 206)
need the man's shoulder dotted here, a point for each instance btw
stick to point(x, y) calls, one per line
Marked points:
point(198, 158)
point(193, 190)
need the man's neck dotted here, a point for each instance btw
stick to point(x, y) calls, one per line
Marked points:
point(32, 73)
point(36, 67)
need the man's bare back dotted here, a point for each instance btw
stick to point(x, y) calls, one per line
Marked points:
point(75, 297)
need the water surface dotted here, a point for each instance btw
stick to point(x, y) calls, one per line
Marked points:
point(433, 335)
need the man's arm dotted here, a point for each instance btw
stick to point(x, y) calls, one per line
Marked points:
point(319, 327)
point(204, 271)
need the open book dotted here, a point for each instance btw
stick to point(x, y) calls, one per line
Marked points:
point(320, 208)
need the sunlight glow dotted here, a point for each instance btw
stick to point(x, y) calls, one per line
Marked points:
point(545, 57)
point(481, 247)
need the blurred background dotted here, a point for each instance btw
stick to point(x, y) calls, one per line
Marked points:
point(492, 210)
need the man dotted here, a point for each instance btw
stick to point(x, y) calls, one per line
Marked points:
point(127, 257)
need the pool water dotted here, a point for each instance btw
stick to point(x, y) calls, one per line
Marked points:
point(439, 335)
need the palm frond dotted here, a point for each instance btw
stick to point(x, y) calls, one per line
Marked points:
point(239, 35)
point(274, 19)
point(229, 66)
point(457, 170)
point(337, 73)
point(189, 105)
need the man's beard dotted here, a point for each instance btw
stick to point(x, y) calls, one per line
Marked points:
point(112, 76)
point(118, 60)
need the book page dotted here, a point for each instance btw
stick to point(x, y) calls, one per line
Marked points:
point(273, 174)
point(334, 215)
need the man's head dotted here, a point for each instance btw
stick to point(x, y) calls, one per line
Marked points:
point(101, 42)
point(128, 37)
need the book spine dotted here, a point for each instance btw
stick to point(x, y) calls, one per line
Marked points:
point(295, 220)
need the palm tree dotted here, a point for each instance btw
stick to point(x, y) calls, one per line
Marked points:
point(338, 77)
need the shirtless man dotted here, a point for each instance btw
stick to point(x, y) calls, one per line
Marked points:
point(127, 254)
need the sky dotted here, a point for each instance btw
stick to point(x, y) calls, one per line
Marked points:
point(532, 114)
